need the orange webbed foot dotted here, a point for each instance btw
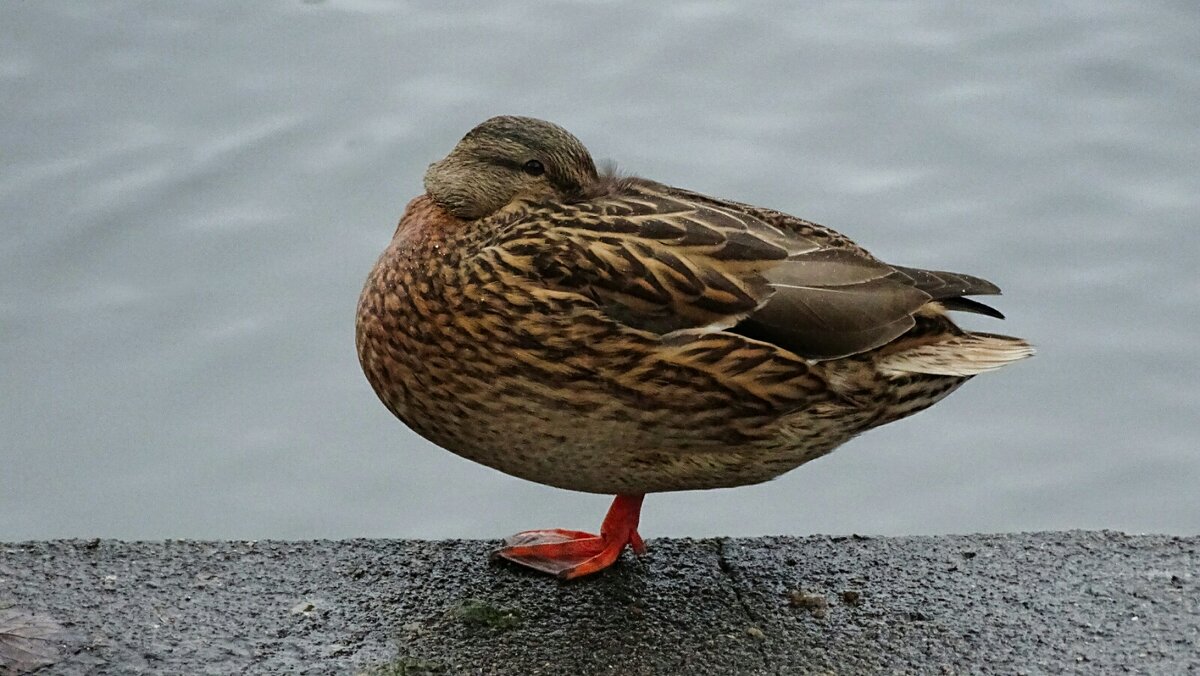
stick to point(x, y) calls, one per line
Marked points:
point(569, 554)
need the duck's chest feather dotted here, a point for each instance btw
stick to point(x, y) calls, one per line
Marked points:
point(442, 326)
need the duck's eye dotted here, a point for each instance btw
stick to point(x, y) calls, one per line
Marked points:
point(533, 168)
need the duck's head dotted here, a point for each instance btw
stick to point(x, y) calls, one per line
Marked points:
point(510, 157)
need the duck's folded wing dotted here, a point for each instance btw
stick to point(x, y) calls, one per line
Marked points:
point(660, 262)
point(832, 303)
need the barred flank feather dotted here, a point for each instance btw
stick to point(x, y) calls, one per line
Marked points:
point(966, 355)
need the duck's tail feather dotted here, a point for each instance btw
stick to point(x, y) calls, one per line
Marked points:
point(962, 355)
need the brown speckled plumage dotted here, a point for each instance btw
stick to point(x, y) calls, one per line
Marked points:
point(616, 335)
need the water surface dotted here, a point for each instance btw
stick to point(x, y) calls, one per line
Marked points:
point(192, 193)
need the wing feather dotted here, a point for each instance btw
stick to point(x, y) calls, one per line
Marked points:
point(662, 259)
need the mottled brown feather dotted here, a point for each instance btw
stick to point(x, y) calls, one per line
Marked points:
point(617, 335)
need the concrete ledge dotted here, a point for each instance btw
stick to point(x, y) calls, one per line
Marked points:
point(1032, 603)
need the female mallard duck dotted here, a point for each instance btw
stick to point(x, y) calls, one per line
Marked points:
point(616, 335)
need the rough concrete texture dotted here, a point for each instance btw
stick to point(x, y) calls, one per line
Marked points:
point(1089, 602)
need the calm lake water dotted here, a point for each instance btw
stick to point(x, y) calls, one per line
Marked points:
point(191, 195)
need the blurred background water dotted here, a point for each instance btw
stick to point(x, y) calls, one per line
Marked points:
point(191, 195)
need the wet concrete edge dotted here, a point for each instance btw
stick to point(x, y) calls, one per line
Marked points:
point(1077, 601)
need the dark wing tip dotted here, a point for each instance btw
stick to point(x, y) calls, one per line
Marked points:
point(967, 305)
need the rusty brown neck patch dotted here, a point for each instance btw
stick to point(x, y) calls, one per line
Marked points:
point(424, 219)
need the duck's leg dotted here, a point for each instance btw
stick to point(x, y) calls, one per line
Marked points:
point(571, 553)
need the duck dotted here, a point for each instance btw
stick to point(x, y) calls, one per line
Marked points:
point(605, 333)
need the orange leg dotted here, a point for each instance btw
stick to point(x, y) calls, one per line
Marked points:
point(570, 553)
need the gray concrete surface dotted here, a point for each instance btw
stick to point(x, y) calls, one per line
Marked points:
point(1087, 602)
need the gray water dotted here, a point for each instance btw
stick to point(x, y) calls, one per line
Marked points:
point(192, 193)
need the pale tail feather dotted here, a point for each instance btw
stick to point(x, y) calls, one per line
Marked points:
point(965, 355)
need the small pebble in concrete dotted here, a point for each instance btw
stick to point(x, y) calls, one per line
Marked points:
point(305, 608)
point(816, 604)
